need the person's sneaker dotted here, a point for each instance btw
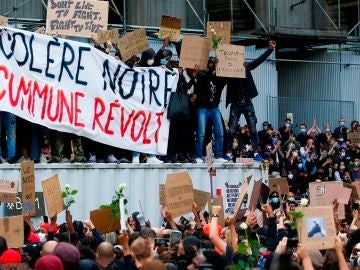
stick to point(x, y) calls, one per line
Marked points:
point(136, 160)
point(257, 157)
point(65, 160)
point(228, 157)
point(43, 159)
point(154, 160)
point(92, 159)
point(112, 159)
point(220, 160)
point(199, 160)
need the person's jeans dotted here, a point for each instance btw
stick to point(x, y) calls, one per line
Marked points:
point(9, 121)
point(215, 116)
point(236, 109)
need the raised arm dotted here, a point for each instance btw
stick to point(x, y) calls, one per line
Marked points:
point(255, 63)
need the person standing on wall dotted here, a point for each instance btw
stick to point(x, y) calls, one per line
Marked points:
point(240, 91)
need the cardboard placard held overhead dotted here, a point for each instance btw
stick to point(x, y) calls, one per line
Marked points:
point(201, 198)
point(133, 43)
point(170, 26)
point(179, 195)
point(317, 192)
point(162, 194)
point(8, 190)
point(3, 21)
point(230, 61)
point(354, 137)
point(28, 187)
point(243, 190)
point(255, 194)
point(82, 18)
point(103, 221)
point(279, 185)
point(222, 29)
point(316, 229)
point(356, 184)
point(105, 35)
point(12, 229)
point(194, 51)
point(341, 194)
point(52, 193)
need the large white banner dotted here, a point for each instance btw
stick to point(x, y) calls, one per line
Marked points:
point(73, 87)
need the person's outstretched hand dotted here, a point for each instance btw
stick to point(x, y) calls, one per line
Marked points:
point(272, 44)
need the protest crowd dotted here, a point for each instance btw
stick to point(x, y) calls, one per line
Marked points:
point(266, 236)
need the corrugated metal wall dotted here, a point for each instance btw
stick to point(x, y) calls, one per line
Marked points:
point(321, 81)
point(33, 9)
point(266, 80)
point(96, 183)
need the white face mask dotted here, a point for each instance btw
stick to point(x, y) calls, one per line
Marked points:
point(287, 125)
point(290, 176)
point(150, 62)
point(42, 237)
point(327, 129)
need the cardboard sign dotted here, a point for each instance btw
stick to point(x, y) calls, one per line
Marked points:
point(222, 29)
point(162, 194)
point(201, 198)
point(103, 221)
point(52, 194)
point(316, 229)
point(133, 43)
point(3, 21)
point(264, 193)
point(179, 195)
point(16, 209)
point(342, 194)
point(12, 229)
point(82, 18)
point(28, 187)
point(354, 137)
point(356, 184)
point(194, 51)
point(230, 61)
point(255, 194)
point(279, 185)
point(243, 190)
point(245, 160)
point(8, 190)
point(170, 26)
point(218, 200)
point(105, 35)
point(317, 192)
point(209, 155)
point(354, 192)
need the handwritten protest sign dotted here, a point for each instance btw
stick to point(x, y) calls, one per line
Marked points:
point(179, 195)
point(170, 26)
point(28, 187)
point(16, 209)
point(255, 194)
point(230, 61)
point(82, 18)
point(222, 30)
point(316, 229)
point(52, 193)
point(354, 137)
point(12, 229)
point(279, 185)
point(201, 198)
point(3, 21)
point(8, 190)
point(194, 51)
point(162, 194)
point(317, 192)
point(105, 35)
point(92, 95)
point(133, 43)
point(103, 221)
point(341, 194)
point(243, 190)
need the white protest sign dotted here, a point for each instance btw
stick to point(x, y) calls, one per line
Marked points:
point(73, 87)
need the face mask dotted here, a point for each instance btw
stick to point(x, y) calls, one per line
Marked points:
point(290, 176)
point(275, 141)
point(300, 165)
point(302, 130)
point(287, 125)
point(274, 200)
point(295, 154)
point(163, 62)
point(357, 163)
point(235, 145)
point(42, 237)
point(302, 151)
point(265, 127)
point(291, 199)
point(342, 154)
point(342, 123)
point(342, 167)
point(150, 62)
